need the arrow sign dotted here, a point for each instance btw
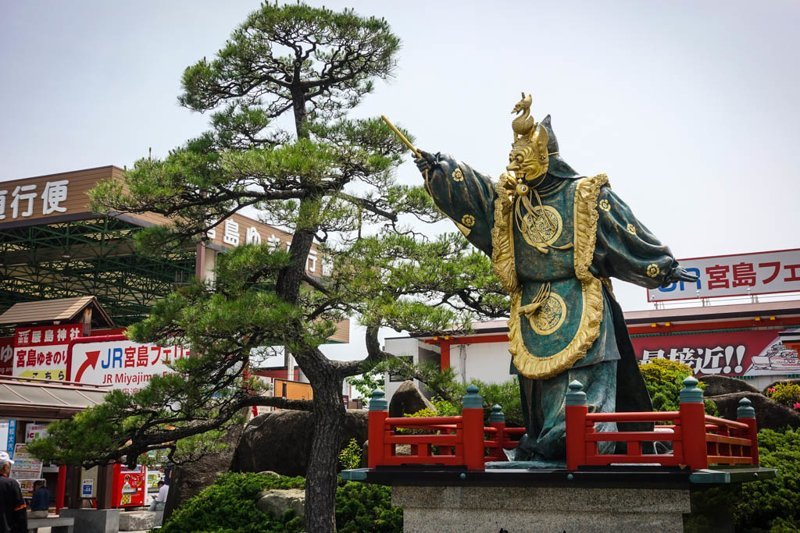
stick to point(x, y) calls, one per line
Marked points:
point(91, 361)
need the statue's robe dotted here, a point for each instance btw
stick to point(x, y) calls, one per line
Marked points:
point(578, 332)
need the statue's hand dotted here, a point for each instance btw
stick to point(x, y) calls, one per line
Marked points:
point(679, 274)
point(426, 162)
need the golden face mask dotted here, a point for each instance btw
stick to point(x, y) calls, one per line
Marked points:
point(528, 159)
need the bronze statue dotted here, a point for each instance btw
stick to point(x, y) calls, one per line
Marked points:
point(555, 239)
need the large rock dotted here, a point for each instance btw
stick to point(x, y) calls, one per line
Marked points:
point(187, 480)
point(276, 502)
point(281, 441)
point(408, 400)
point(769, 414)
point(718, 385)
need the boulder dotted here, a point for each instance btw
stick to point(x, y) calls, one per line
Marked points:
point(718, 385)
point(769, 414)
point(276, 502)
point(281, 441)
point(408, 400)
point(188, 479)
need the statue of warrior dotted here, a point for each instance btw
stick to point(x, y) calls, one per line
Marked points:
point(555, 239)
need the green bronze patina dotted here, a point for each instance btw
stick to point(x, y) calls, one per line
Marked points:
point(568, 236)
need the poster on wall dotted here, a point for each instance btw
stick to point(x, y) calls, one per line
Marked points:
point(41, 352)
point(26, 466)
point(730, 353)
point(117, 362)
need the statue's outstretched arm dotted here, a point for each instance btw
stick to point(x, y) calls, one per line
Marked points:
point(463, 194)
point(627, 250)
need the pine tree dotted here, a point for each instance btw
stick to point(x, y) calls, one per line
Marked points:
point(325, 177)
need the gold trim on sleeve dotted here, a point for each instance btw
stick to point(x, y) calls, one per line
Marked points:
point(585, 216)
point(631, 229)
point(468, 220)
point(605, 205)
point(458, 175)
point(653, 270)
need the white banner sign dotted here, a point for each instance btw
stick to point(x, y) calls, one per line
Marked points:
point(122, 364)
point(735, 275)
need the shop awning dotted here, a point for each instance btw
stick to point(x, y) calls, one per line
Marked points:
point(33, 399)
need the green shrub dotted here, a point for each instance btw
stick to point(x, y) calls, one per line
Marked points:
point(364, 507)
point(664, 381)
point(785, 393)
point(229, 505)
point(350, 456)
point(770, 505)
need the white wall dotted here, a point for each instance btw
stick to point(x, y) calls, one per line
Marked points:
point(488, 362)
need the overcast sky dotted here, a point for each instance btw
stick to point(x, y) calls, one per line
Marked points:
point(690, 107)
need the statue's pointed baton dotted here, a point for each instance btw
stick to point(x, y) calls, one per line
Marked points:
point(402, 137)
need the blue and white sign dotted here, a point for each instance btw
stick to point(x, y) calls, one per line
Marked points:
point(735, 275)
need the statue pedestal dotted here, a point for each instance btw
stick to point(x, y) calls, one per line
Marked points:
point(493, 509)
point(616, 498)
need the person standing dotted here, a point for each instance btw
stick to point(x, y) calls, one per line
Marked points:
point(40, 502)
point(12, 506)
point(160, 499)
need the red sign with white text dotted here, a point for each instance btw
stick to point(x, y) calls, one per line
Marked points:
point(6, 356)
point(729, 353)
point(120, 363)
point(735, 275)
point(41, 352)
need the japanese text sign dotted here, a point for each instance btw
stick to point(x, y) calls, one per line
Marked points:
point(26, 200)
point(730, 353)
point(41, 352)
point(122, 364)
point(6, 356)
point(735, 275)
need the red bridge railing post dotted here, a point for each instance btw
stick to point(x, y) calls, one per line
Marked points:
point(576, 411)
point(693, 425)
point(376, 428)
point(747, 415)
point(472, 416)
point(497, 420)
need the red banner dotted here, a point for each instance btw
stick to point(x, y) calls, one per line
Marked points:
point(6, 356)
point(729, 353)
point(41, 351)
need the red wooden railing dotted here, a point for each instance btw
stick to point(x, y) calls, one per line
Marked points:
point(446, 441)
point(697, 440)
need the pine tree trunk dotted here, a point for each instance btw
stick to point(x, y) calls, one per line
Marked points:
point(321, 477)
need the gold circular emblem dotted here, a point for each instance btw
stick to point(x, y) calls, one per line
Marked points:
point(468, 220)
point(458, 175)
point(605, 205)
point(542, 226)
point(653, 270)
point(631, 229)
point(549, 317)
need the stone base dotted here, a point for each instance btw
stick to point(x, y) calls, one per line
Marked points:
point(580, 509)
point(140, 520)
point(94, 520)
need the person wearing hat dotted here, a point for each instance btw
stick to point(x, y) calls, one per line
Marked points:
point(12, 506)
